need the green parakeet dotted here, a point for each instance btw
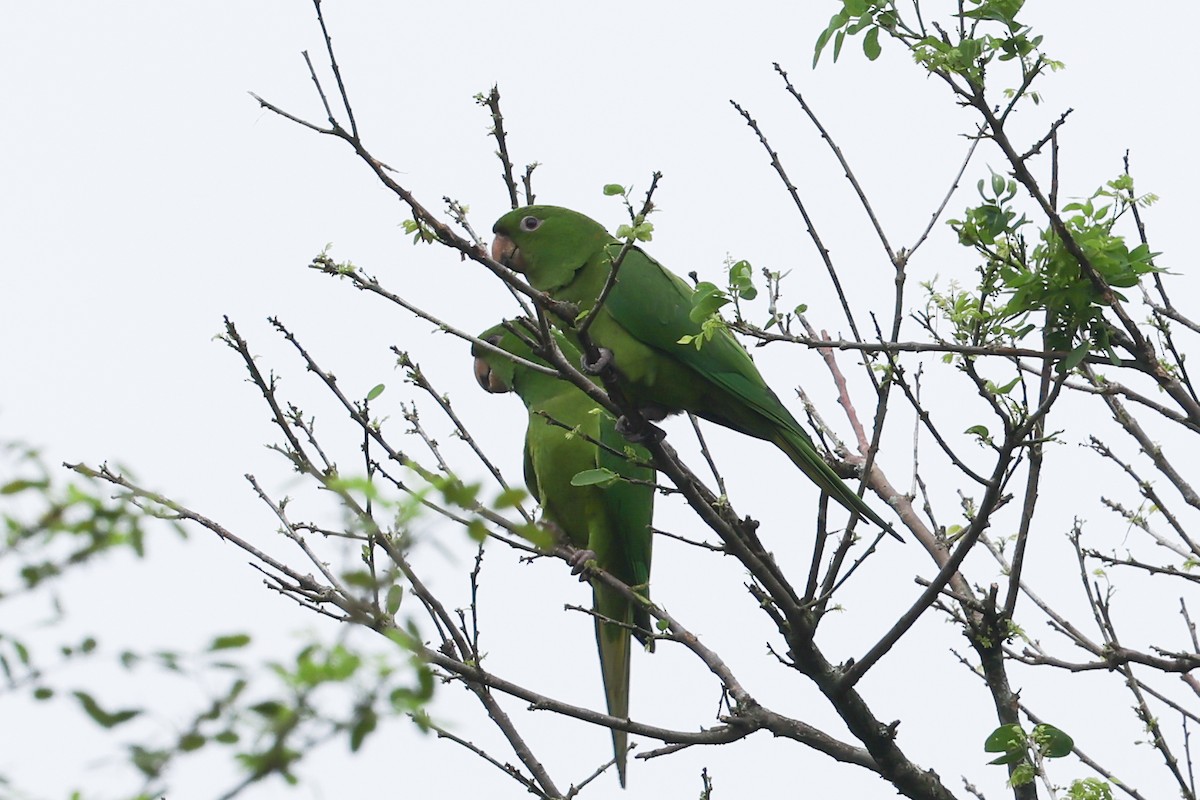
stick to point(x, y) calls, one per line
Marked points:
point(610, 521)
point(569, 256)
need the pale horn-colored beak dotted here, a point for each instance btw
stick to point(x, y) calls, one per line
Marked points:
point(505, 251)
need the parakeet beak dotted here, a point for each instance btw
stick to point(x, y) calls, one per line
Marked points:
point(506, 252)
point(488, 379)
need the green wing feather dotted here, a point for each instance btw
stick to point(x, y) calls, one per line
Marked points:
point(652, 305)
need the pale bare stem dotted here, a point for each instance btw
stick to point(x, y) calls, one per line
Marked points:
point(899, 347)
point(507, 769)
point(1176, 707)
point(462, 669)
point(1148, 445)
point(410, 413)
point(1060, 623)
point(267, 387)
point(360, 418)
point(417, 376)
point(596, 773)
point(1105, 386)
point(1014, 439)
point(492, 101)
point(307, 427)
point(337, 73)
point(712, 465)
point(839, 381)
point(924, 417)
point(715, 548)
point(1191, 627)
point(582, 328)
point(1147, 491)
point(1151, 569)
point(972, 790)
point(527, 181)
point(304, 586)
point(837, 152)
point(812, 231)
point(442, 232)
point(1032, 482)
point(320, 90)
point(1050, 134)
point(1143, 709)
point(814, 567)
point(1173, 313)
point(474, 632)
point(488, 514)
point(937, 214)
point(832, 581)
point(1027, 78)
point(459, 214)
point(982, 389)
point(365, 282)
point(290, 531)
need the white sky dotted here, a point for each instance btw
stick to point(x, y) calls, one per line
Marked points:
point(146, 195)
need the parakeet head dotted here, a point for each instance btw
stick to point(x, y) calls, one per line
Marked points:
point(547, 244)
point(493, 371)
point(497, 374)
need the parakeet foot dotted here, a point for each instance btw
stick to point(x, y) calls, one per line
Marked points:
point(648, 433)
point(597, 366)
point(579, 563)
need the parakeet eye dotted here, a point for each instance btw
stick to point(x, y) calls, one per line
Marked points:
point(530, 223)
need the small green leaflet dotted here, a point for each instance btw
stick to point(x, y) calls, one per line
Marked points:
point(595, 477)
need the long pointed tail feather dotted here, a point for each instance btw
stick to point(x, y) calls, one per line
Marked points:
point(613, 642)
point(804, 455)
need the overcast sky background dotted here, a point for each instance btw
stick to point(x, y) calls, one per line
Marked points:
point(146, 195)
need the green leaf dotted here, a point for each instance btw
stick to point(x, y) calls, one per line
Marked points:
point(395, 595)
point(510, 498)
point(230, 642)
point(594, 477)
point(611, 189)
point(378, 390)
point(190, 742)
point(1074, 357)
point(20, 485)
point(1053, 742)
point(741, 279)
point(477, 530)
point(871, 46)
point(707, 299)
point(104, 719)
point(536, 535)
point(1007, 739)
point(363, 726)
point(1005, 389)
point(978, 430)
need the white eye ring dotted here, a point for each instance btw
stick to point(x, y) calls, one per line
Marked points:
point(530, 223)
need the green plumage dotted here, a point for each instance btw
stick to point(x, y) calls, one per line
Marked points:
point(612, 521)
point(569, 256)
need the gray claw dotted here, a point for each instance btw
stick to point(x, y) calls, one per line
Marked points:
point(578, 563)
point(650, 433)
point(597, 366)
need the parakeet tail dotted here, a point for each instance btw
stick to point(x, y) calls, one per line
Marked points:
point(613, 642)
point(811, 464)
